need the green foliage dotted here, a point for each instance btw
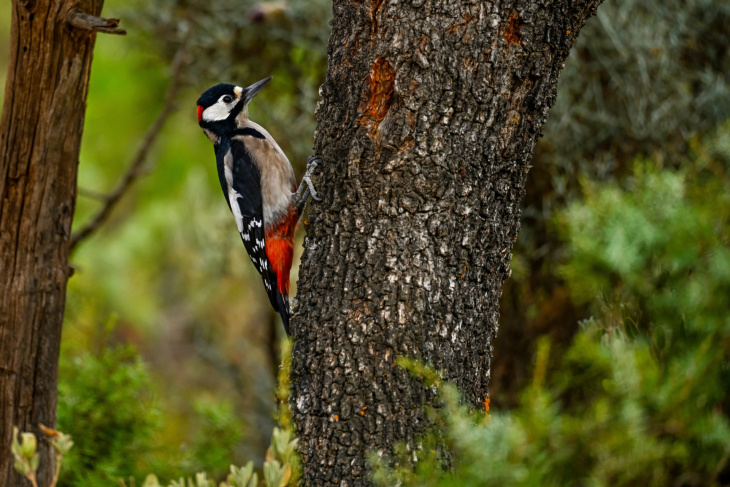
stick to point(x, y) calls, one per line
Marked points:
point(105, 400)
point(279, 469)
point(284, 417)
point(642, 80)
point(104, 404)
point(640, 396)
point(213, 445)
point(243, 476)
point(658, 250)
point(281, 466)
point(282, 461)
point(24, 452)
point(27, 459)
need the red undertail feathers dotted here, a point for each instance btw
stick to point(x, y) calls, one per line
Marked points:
point(280, 248)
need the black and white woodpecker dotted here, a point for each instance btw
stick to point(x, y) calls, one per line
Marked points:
point(259, 185)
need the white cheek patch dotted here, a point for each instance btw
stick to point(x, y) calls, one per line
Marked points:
point(214, 113)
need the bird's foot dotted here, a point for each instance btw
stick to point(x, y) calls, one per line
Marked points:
point(312, 163)
point(306, 188)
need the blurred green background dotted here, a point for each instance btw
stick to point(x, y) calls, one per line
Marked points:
point(170, 349)
point(166, 279)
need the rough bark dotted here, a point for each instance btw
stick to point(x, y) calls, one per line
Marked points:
point(40, 136)
point(430, 113)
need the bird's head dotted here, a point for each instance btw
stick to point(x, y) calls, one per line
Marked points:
point(219, 107)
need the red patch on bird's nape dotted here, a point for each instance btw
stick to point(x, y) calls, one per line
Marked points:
point(200, 113)
point(280, 248)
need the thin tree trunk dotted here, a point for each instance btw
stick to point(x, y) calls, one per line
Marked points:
point(431, 110)
point(40, 136)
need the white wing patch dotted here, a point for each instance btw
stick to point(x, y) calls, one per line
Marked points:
point(233, 196)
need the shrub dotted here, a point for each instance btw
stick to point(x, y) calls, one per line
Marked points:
point(104, 404)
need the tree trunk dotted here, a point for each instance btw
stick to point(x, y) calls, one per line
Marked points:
point(430, 113)
point(40, 136)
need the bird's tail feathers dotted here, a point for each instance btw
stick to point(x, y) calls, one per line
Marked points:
point(280, 303)
point(282, 306)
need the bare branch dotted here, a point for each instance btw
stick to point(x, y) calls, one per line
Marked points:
point(94, 195)
point(135, 169)
point(83, 21)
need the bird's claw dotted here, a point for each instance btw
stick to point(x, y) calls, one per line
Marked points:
point(306, 188)
point(312, 191)
point(312, 163)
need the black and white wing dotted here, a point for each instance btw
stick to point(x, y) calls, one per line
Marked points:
point(241, 184)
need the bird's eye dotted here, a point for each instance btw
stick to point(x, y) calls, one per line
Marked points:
point(227, 99)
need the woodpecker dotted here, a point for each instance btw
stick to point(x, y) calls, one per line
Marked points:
point(258, 184)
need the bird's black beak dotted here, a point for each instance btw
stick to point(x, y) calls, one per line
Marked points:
point(255, 88)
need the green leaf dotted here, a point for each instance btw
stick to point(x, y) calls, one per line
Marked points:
point(151, 481)
point(274, 474)
point(240, 477)
point(21, 467)
point(15, 445)
point(28, 446)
